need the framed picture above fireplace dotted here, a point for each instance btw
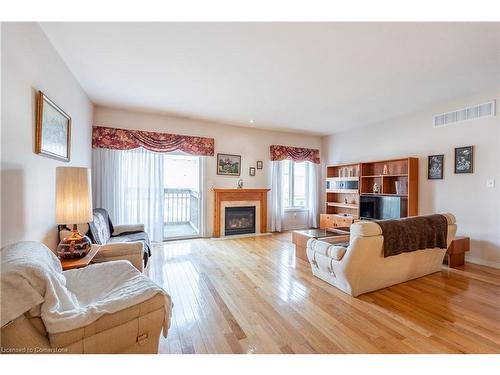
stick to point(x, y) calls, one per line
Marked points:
point(228, 165)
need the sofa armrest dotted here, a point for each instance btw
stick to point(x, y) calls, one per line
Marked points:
point(120, 248)
point(131, 251)
point(119, 229)
point(332, 251)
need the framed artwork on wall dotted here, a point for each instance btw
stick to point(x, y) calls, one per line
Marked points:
point(464, 159)
point(251, 171)
point(435, 165)
point(228, 165)
point(260, 164)
point(52, 129)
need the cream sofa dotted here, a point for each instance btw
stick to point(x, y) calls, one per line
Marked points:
point(361, 267)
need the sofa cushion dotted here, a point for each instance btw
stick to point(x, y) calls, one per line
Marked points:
point(100, 227)
point(133, 237)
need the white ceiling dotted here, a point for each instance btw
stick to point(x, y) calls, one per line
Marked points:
point(312, 77)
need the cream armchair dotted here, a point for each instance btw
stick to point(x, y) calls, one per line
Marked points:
point(131, 251)
point(129, 242)
point(361, 267)
point(102, 308)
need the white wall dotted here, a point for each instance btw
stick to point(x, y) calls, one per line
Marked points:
point(476, 207)
point(251, 144)
point(30, 63)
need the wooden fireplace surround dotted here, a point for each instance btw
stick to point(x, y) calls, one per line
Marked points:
point(221, 195)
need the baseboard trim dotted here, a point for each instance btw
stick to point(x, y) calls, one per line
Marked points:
point(483, 262)
point(240, 236)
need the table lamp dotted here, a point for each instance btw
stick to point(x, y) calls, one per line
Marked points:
point(73, 206)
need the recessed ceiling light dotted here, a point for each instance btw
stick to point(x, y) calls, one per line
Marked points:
point(252, 121)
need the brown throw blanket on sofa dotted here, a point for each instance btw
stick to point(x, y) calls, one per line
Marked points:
point(414, 233)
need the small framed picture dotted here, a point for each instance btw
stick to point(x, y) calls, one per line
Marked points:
point(435, 167)
point(251, 171)
point(228, 165)
point(464, 159)
point(52, 129)
point(260, 164)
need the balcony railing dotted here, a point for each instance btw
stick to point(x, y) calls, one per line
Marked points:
point(181, 206)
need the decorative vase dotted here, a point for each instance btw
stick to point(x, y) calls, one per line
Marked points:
point(375, 188)
point(240, 184)
point(74, 246)
point(386, 170)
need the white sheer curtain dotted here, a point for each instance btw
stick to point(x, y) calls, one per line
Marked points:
point(312, 178)
point(129, 184)
point(277, 207)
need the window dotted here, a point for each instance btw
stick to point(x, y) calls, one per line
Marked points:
point(294, 184)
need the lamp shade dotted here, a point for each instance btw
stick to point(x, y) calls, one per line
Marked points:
point(73, 195)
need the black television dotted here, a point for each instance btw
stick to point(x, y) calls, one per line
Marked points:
point(382, 207)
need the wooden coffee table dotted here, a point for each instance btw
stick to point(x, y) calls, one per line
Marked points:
point(331, 235)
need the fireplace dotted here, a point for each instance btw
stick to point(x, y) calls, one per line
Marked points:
point(239, 220)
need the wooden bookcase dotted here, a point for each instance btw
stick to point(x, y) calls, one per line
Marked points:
point(386, 173)
point(350, 181)
point(342, 195)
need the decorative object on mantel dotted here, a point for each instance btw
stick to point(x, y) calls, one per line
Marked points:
point(52, 130)
point(376, 188)
point(435, 165)
point(228, 165)
point(251, 171)
point(298, 154)
point(240, 184)
point(385, 170)
point(123, 139)
point(464, 159)
point(73, 206)
point(260, 164)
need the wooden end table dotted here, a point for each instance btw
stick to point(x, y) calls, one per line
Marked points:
point(69, 264)
point(455, 255)
point(331, 235)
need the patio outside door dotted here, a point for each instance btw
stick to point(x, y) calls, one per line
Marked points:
point(182, 210)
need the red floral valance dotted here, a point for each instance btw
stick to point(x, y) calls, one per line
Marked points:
point(122, 139)
point(294, 153)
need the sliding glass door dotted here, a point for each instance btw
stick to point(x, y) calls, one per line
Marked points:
point(182, 196)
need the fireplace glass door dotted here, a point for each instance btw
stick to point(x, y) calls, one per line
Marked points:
point(239, 220)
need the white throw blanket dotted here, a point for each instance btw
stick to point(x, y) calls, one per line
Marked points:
point(32, 280)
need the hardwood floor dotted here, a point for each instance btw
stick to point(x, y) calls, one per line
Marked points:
point(250, 295)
